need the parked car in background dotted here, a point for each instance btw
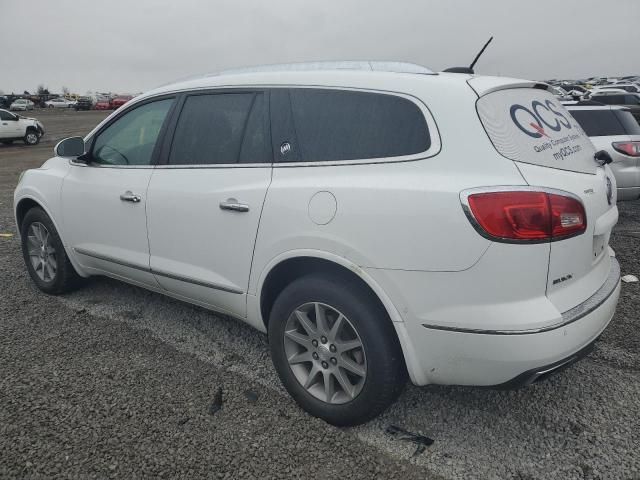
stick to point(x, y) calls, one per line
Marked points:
point(103, 104)
point(83, 103)
point(394, 222)
point(22, 104)
point(613, 128)
point(575, 91)
point(629, 100)
point(59, 103)
point(561, 93)
point(604, 91)
point(120, 101)
point(627, 87)
point(16, 127)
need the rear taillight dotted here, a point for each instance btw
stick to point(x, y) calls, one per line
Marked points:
point(628, 148)
point(526, 216)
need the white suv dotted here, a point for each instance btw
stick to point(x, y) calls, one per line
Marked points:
point(378, 220)
point(16, 127)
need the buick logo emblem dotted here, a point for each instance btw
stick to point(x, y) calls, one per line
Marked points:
point(609, 191)
point(285, 148)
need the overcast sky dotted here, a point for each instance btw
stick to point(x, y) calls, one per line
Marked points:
point(129, 46)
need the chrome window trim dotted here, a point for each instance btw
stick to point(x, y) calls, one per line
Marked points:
point(466, 208)
point(434, 132)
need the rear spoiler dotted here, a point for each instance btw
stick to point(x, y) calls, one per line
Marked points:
point(484, 85)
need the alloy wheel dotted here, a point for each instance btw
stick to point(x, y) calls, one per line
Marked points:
point(41, 252)
point(325, 353)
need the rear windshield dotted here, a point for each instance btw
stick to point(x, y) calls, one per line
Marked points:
point(531, 126)
point(599, 123)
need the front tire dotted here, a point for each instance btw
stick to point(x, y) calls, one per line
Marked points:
point(31, 137)
point(44, 254)
point(335, 349)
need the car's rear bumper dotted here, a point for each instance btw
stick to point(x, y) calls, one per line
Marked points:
point(456, 356)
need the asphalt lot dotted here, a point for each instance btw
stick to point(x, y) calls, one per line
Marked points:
point(115, 381)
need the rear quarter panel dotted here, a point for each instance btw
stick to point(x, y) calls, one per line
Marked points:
point(389, 214)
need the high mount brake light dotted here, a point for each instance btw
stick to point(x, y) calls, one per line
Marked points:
point(526, 216)
point(628, 148)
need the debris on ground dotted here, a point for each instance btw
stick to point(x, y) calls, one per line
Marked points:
point(216, 405)
point(252, 397)
point(629, 279)
point(6, 235)
point(421, 441)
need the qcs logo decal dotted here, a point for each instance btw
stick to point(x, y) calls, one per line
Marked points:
point(534, 120)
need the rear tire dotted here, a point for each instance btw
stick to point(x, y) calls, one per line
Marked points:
point(352, 372)
point(45, 256)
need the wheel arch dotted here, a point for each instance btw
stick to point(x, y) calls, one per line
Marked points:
point(23, 206)
point(285, 269)
point(288, 267)
point(26, 203)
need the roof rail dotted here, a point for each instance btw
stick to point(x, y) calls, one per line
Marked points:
point(376, 66)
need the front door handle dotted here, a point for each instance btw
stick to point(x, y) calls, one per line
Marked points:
point(233, 205)
point(129, 196)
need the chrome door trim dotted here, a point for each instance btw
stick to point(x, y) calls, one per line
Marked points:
point(181, 278)
point(110, 259)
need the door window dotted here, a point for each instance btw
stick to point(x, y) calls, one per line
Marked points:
point(6, 115)
point(130, 140)
point(221, 128)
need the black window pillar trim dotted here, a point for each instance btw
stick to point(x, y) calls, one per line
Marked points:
point(181, 98)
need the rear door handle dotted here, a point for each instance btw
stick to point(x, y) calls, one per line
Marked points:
point(233, 205)
point(129, 196)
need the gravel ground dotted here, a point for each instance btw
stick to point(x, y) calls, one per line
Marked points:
point(116, 381)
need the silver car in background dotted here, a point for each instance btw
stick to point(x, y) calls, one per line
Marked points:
point(22, 104)
point(614, 129)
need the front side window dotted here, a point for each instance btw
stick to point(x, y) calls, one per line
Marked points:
point(6, 115)
point(221, 128)
point(335, 125)
point(130, 140)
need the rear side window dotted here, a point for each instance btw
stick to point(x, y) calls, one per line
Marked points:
point(221, 128)
point(334, 125)
point(609, 99)
point(598, 123)
point(629, 123)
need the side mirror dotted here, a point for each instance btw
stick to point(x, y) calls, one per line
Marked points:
point(70, 147)
point(602, 157)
